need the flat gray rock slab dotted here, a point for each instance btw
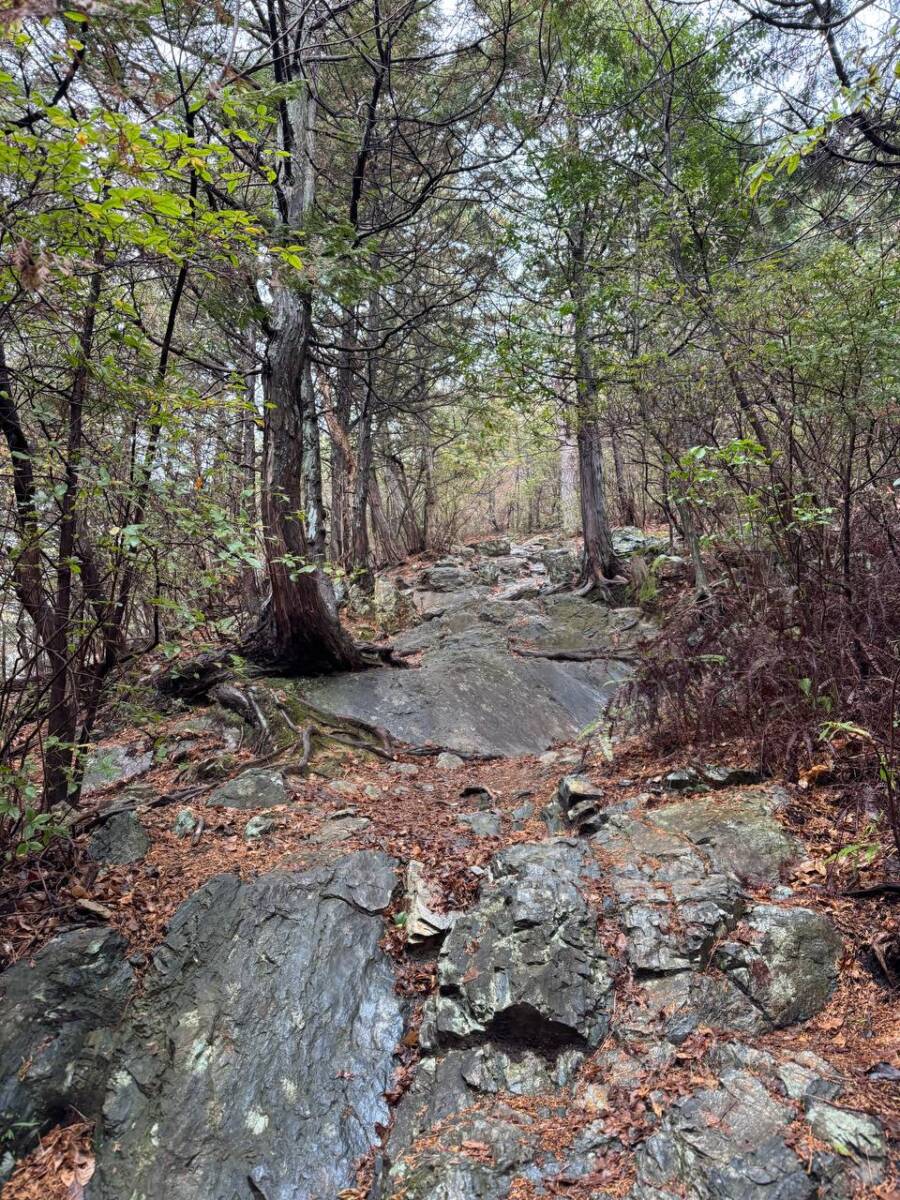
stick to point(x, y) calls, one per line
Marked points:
point(472, 695)
point(256, 1059)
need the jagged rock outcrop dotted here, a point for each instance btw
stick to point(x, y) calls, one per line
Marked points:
point(525, 964)
point(702, 954)
point(729, 1143)
point(57, 1031)
point(255, 1061)
point(524, 991)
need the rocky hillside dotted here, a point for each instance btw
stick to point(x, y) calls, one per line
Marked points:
point(426, 933)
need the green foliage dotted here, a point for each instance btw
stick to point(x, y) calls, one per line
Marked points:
point(24, 828)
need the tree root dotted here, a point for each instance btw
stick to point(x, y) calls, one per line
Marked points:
point(572, 655)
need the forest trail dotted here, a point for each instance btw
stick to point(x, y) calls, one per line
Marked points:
point(507, 960)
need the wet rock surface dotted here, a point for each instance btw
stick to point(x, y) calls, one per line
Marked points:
point(703, 955)
point(57, 1031)
point(256, 1059)
point(477, 657)
point(609, 984)
point(526, 964)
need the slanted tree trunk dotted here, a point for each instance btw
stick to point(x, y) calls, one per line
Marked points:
point(299, 629)
point(411, 531)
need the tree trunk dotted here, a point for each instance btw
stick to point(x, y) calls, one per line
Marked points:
point(569, 507)
point(623, 487)
point(341, 457)
point(430, 502)
point(692, 539)
point(313, 504)
point(359, 531)
point(600, 565)
point(411, 531)
point(360, 504)
point(387, 544)
point(247, 474)
point(299, 630)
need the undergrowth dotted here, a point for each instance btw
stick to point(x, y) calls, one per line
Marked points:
point(792, 661)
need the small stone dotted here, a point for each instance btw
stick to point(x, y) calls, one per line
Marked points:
point(478, 795)
point(422, 921)
point(403, 768)
point(847, 1132)
point(373, 792)
point(884, 1071)
point(521, 814)
point(120, 840)
point(592, 1097)
point(526, 590)
point(180, 751)
point(722, 777)
point(253, 789)
point(686, 780)
point(570, 758)
point(258, 827)
point(552, 816)
point(482, 824)
point(185, 823)
point(579, 799)
point(338, 829)
point(344, 786)
point(444, 579)
point(575, 788)
point(782, 892)
point(548, 758)
point(493, 547)
point(449, 762)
